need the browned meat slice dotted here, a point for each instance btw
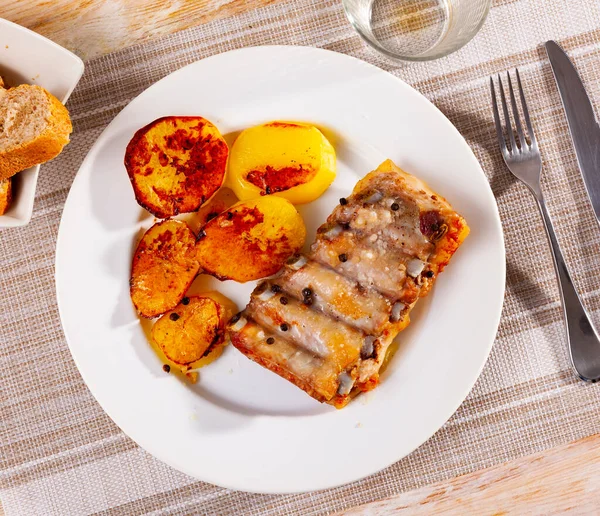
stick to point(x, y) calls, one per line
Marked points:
point(327, 321)
point(373, 262)
point(316, 376)
point(326, 290)
point(309, 329)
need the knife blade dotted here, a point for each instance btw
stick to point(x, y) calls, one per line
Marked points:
point(583, 125)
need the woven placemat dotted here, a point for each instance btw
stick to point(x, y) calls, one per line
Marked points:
point(61, 454)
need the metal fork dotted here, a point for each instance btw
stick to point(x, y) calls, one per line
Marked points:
point(523, 159)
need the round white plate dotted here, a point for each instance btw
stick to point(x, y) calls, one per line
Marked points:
point(242, 426)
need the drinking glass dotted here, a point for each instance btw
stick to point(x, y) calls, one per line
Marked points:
point(416, 30)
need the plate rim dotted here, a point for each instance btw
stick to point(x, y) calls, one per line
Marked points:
point(164, 456)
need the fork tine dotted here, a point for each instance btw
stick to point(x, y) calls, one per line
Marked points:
point(499, 131)
point(511, 134)
point(525, 110)
point(513, 103)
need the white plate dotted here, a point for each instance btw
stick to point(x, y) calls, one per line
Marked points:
point(242, 426)
point(28, 58)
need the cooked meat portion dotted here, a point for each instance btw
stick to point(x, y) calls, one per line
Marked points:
point(326, 322)
point(309, 329)
point(337, 296)
point(374, 262)
point(316, 376)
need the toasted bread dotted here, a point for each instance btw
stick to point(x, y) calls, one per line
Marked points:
point(176, 164)
point(5, 184)
point(34, 128)
point(5, 195)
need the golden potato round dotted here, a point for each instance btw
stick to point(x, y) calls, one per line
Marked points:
point(164, 265)
point(191, 330)
point(292, 160)
point(251, 240)
point(176, 164)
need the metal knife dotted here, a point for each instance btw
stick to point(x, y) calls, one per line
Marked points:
point(583, 125)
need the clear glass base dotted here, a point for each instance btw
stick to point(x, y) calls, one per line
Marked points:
point(417, 30)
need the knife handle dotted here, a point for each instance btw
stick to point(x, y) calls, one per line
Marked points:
point(582, 338)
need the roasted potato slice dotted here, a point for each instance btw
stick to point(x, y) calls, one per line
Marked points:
point(250, 240)
point(222, 200)
point(5, 195)
point(176, 164)
point(287, 159)
point(191, 330)
point(164, 266)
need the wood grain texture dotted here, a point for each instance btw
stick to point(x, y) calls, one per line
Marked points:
point(563, 480)
point(94, 27)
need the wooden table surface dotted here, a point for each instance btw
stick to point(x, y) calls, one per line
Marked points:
point(563, 479)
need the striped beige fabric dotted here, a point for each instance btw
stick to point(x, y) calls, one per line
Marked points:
point(59, 452)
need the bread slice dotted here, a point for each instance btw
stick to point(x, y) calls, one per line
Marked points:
point(34, 128)
point(5, 184)
point(5, 195)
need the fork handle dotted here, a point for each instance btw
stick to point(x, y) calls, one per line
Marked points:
point(582, 338)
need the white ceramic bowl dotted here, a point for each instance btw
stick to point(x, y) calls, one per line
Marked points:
point(27, 57)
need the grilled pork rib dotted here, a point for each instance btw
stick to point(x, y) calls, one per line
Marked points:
point(326, 321)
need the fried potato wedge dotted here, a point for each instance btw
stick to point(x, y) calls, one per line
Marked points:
point(5, 195)
point(287, 159)
point(191, 330)
point(176, 164)
point(164, 265)
point(251, 240)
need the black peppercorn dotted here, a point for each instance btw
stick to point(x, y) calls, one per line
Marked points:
point(283, 300)
point(167, 368)
point(306, 292)
point(185, 301)
point(174, 316)
point(308, 301)
point(343, 201)
point(229, 215)
point(429, 274)
point(284, 327)
point(270, 340)
point(343, 257)
point(275, 288)
point(395, 206)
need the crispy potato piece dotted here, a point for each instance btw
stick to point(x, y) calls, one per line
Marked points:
point(164, 266)
point(5, 195)
point(251, 240)
point(190, 331)
point(176, 164)
point(222, 200)
point(287, 159)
